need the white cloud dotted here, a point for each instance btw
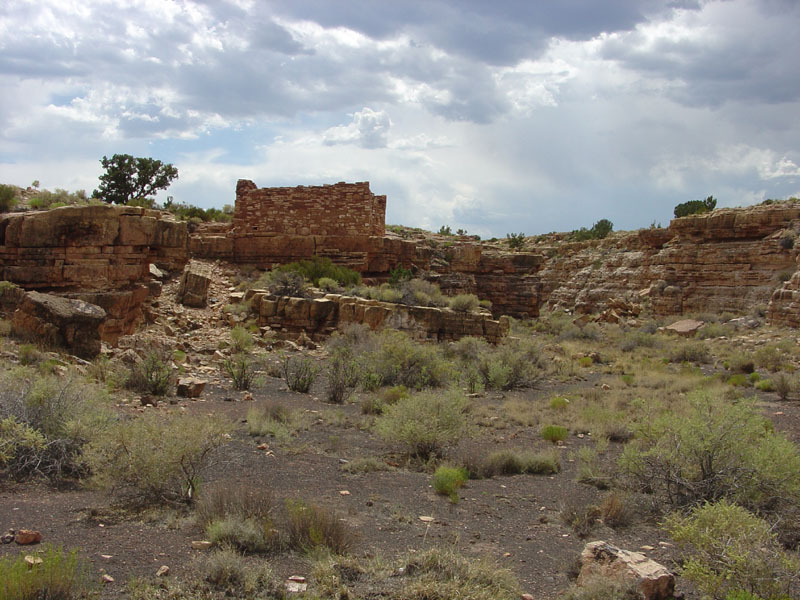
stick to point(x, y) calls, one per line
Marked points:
point(368, 129)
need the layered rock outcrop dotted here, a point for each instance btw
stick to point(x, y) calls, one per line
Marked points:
point(728, 260)
point(319, 317)
point(99, 254)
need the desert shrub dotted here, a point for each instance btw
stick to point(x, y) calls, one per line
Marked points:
point(786, 242)
point(515, 240)
point(513, 462)
point(441, 573)
point(45, 422)
point(343, 375)
point(156, 458)
point(559, 403)
point(401, 361)
point(464, 303)
point(691, 352)
point(369, 464)
point(770, 358)
point(243, 370)
point(152, 374)
point(59, 197)
point(727, 549)
point(616, 510)
point(28, 354)
point(8, 198)
point(580, 518)
point(271, 418)
point(327, 284)
point(739, 380)
point(241, 339)
point(714, 450)
point(299, 373)
point(638, 339)
point(784, 386)
point(238, 516)
point(287, 283)
point(224, 571)
point(448, 480)
point(356, 337)
point(310, 527)
point(765, 385)
point(319, 267)
point(512, 364)
point(554, 433)
point(603, 588)
point(418, 292)
point(741, 363)
point(592, 470)
point(425, 423)
point(62, 575)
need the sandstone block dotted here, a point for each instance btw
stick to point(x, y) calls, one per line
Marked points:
point(191, 387)
point(603, 560)
point(193, 286)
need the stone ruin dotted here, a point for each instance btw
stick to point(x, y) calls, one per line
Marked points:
point(727, 260)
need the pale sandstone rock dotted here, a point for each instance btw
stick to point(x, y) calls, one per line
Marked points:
point(685, 327)
point(193, 286)
point(24, 537)
point(603, 560)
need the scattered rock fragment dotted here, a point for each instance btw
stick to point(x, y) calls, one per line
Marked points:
point(296, 583)
point(106, 578)
point(32, 561)
point(191, 387)
point(684, 327)
point(201, 545)
point(163, 571)
point(24, 537)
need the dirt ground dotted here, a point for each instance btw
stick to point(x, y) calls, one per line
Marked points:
point(514, 520)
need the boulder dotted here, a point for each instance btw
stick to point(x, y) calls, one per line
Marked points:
point(193, 286)
point(70, 323)
point(24, 537)
point(685, 327)
point(190, 387)
point(601, 560)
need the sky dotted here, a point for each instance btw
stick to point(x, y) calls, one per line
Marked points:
point(524, 116)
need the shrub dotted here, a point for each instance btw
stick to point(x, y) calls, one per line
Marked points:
point(448, 480)
point(156, 458)
point(299, 373)
point(8, 198)
point(712, 451)
point(224, 571)
point(242, 369)
point(60, 576)
point(783, 386)
point(615, 510)
point(401, 361)
point(312, 527)
point(270, 418)
point(691, 352)
point(418, 292)
point(603, 588)
point(770, 358)
point(554, 433)
point(726, 548)
point(45, 421)
point(786, 242)
point(343, 374)
point(241, 339)
point(695, 207)
point(464, 303)
point(426, 422)
point(765, 385)
point(515, 240)
point(581, 519)
point(512, 462)
point(328, 284)
point(559, 403)
point(320, 267)
point(152, 374)
point(238, 516)
point(512, 364)
point(287, 283)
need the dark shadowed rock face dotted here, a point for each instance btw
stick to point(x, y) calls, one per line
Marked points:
point(72, 324)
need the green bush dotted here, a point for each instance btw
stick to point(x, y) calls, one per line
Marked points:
point(765, 385)
point(784, 386)
point(328, 284)
point(512, 462)
point(156, 458)
point(343, 375)
point(726, 548)
point(311, 527)
point(714, 450)
point(238, 516)
point(515, 240)
point(554, 433)
point(465, 303)
point(695, 207)
point(770, 358)
point(426, 422)
point(287, 283)
point(8, 198)
point(690, 352)
point(243, 370)
point(399, 360)
point(299, 373)
point(510, 365)
point(271, 418)
point(45, 421)
point(321, 267)
point(152, 374)
point(60, 576)
point(241, 339)
point(448, 480)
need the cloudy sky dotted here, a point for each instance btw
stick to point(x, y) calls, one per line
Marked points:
point(507, 116)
